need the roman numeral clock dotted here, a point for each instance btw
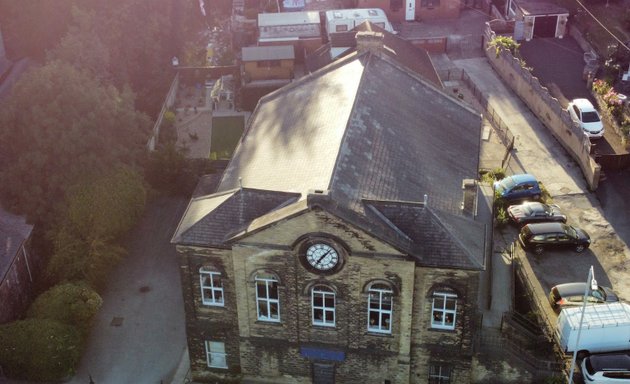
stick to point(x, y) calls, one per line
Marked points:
point(321, 256)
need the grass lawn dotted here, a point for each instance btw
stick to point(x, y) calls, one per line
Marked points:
point(226, 132)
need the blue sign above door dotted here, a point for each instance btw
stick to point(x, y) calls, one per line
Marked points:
point(322, 354)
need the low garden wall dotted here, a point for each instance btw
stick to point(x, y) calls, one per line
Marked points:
point(545, 107)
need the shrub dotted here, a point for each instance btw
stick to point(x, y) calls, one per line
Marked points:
point(39, 349)
point(502, 217)
point(500, 43)
point(493, 175)
point(601, 87)
point(69, 303)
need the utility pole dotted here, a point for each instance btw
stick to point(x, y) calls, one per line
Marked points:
point(591, 283)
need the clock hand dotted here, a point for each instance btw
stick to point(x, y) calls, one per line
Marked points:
point(322, 257)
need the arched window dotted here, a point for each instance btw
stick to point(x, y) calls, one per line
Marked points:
point(444, 309)
point(380, 308)
point(323, 306)
point(267, 297)
point(211, 285)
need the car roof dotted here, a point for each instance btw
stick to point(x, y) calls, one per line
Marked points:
point(523, 177)
point(608, 362)
point(571, 289)
point(537, 228)
point(583, 104)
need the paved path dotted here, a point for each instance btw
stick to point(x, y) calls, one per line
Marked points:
point(145, 292)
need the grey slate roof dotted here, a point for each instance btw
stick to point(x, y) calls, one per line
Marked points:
point(209, 220)
point(365, 129)
point(439, 239)
point(13, 232)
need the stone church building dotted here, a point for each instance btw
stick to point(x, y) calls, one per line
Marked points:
point(342, 243)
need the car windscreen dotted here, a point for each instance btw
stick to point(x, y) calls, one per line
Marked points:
point(570, 232)
point(590, 117)
point(507, 183)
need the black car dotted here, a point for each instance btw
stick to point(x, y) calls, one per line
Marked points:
point(540, 236)
point(572, 294)
point(535, 212)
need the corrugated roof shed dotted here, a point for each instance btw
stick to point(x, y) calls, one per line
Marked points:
point(287, 18)
point(277, 52)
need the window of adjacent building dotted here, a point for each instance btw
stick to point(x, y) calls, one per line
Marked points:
point(211, 287)
point(395, 5)
point(380, 301)
point(267, 299)
point(429, 3)
point(439, 374)
point(341, 28)
point(443, 310)
point(215, 354)
point(323, 305)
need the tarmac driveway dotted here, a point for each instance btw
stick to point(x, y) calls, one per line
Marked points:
point(559, 65)
point(139, 335)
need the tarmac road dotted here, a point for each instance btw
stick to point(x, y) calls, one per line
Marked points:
point(139, 335)
point(144, 296)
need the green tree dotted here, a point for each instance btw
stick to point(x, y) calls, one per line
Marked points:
point(39, 349)
point(59, 125)
point(69, 303)
point(98, 212)
point(33, 26)
point(82, 45)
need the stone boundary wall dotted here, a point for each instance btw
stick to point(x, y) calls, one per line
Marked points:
point(546, 108)
point(168, 103)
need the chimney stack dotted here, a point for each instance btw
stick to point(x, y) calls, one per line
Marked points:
point(369, 41)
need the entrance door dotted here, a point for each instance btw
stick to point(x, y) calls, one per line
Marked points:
point(545, 26)
point(323, 373)
point(410, 10)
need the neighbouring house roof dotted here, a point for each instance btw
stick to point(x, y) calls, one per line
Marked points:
point(540, 8)
point(405, 53)
point(278, 52)
point(373, 134)
point(14, 231)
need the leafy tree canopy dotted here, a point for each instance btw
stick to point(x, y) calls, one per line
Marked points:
point(39, 349)
point(60, 124)
point(98, 211)
point(69, 303)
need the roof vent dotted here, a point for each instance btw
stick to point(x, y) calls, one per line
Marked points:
point(426, 199)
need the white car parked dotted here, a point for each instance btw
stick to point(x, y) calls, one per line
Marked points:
point(606, 369)
point(587, 117)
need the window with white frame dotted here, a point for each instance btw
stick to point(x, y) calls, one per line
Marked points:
point(380, 302)
point(267, 298)
point(215, 354)
point(443, 310)
point(439, 374)
point(323, 305)
point(211, 287)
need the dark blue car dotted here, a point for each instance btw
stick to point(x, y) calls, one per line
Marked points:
point(518, 187)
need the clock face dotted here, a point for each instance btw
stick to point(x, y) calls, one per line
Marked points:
point(322, 256)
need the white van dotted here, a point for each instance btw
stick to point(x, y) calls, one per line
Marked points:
point(605, 328)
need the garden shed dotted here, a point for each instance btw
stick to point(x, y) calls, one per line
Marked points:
point(535, 18)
